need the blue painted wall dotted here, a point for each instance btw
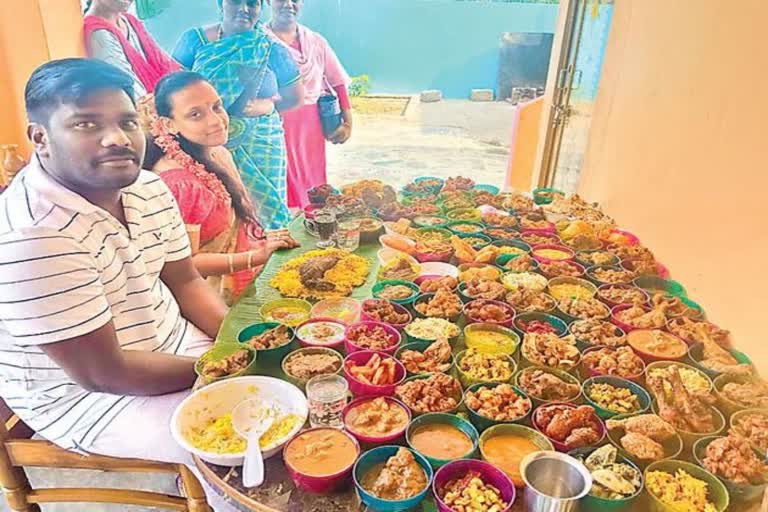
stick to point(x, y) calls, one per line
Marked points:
point(405, 46)
point(594, 40)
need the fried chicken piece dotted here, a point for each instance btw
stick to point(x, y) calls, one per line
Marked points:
point(312, 272)
point(648, 425)
point(436, 358)
point(574, 427)
point(681, 408)
point(642, 447)
point(401, 477)
point(227, 366)
point(547, 386)
point(732, 458)
point(583, 436)
point(716, 357)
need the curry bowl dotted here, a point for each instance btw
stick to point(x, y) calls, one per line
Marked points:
point(495, 447)
point(432, 442)
point(374, 435)
point(336, 471)
point(369, 461)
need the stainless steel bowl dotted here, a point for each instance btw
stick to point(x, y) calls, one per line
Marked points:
point(554, 482)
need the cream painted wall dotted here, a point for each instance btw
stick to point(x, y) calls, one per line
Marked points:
point(678, 150)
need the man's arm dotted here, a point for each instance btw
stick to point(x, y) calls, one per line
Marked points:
point(98, 363)
point(199, 303)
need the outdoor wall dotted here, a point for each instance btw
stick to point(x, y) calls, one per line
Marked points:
point(405, 46)
point(678, 154)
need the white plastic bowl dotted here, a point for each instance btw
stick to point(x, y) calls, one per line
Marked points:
point(221, 398)
point(436, 268)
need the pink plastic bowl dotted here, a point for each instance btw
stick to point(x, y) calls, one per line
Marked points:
point(489, 474)
point(630, 239)
point(360, 388)
point(306, 343)
point(470, 320)
point(552, 237)
point(443, 257)
point(374, 439)
point(562, 447)
point(555, 247)
point(364, 317)
point(393, 334)
point(321, 484)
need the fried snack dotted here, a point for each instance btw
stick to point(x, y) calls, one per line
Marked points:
point(304, 366)
point(443, 304)
point(499, 233)
point(272, 338)
point(400, 478)
point(395, 211)
point(489, 253)
point(573, 426)
point(592, 258)
point(437, 393)
point(549, 350)
point(458, 183)
point(560, 269)
point(547, 386)
point(471, 494)
point(522, 263)
point(680, 491)
point(384, 311)
point(483, 197)
point(534, 239)
point(463, 250)
point(433, 246)
point(371, 337)
point(436, 358)
point(715, 357)
point(619, 294)
point(525, 300)
point(401, 227)
point(499, 403)
point(732, 458)
point(424, 206)
point(677, 405)
point(486, 367)
point(231, 364)
point(753, 426)
point(621, 361)
point(424, 187)
point(499, 220)
point(612, 275)
point(673, 306)
point(534, 221)
point(516, 202)
point(378, 371)
point(597, 333)
point(443, 283)
point(686, 329)
point(752, 393)
point(484, 272)
point(483, 289)
point(614, 398)
point(693, 380)
point(643, 435)
point(583, 308)
point(487, 311)
point(638, 317)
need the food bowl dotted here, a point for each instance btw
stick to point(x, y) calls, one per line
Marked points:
point(634, 339)
point(467, 381)
point(436, 268)
point(571, 264)
point(421, 346)
point(268, 359)
point(426, 297)
point(375, 439)
point(459, 397)
point(503, 323)
point(290, 312)
point(371, 228)
point(464, 214)
point(638, 266)
point(653, 284)
point(499, 233)
point(643, 398)
point(398, 243)
point(221, 351)
point(592, 503)
point(591, 274)
point(512, 469)
point(738, 492)
point(534, 238)
point(220, 398)
point(351, 347)
point(483, 422)
point(441, 233)
point(735, 417)
point(541, 253)
point(377, 457)
point(465, 297)
point(491, 189)
point(717, 493)
point(399, 308)
point(359, 388)
point(479, 240)
point(550, 227)
point(561, 328)
point(622, 237)
point(627, 328)
point(588, 263)
point(559, 446)
point(491, 338)
point(378, 288)
point(690, 438)
point(326, 483)
point(421, 279)
point(503, 259)
point(343, 309)
point(563, 375)
point(387, 254)
point(590, 372)
point(439, 418)
point(305, 341)
point(590, 290)
point(612, 304)
point(413, 337)
point(443, 256)
point(465, 227)
point(430, 221)
point(545, 195)
point(513, 247)
point(302, 383)
point(673, 446)
point(725, 404)
point(490, 475)
point(468, 270)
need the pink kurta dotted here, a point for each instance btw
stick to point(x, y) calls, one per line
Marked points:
point(304, 140)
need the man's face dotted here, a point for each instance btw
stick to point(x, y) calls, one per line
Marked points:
point(96, 145)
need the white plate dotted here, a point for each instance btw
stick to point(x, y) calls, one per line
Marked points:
point(436, 268)
point(221, 398)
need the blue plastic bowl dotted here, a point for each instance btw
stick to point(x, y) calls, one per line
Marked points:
point(493, 189)
point(380, 455)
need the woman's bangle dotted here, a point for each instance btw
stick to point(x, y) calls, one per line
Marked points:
point(231, 260)
point(250, 257)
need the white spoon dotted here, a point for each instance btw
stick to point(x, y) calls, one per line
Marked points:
point(251, 419)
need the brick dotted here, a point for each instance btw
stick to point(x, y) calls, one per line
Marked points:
point(481, 95)
point(431, 96)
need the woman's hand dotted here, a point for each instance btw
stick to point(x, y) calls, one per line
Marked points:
point(259, 107)
point(342, 134)
point(282, 235)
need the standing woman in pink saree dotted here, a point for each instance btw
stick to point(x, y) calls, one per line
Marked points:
point(323, 74)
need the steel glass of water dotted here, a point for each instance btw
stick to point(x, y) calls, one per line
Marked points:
point(327, 397)
point(325, 220)
point(348, 235)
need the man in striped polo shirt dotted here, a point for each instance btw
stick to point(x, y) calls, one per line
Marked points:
point(100, 304)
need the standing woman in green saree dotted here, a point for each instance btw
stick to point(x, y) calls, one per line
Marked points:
point(257, 79)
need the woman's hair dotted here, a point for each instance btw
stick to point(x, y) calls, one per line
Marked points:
point(166, 88)
point(88, 4)
point(220, 3)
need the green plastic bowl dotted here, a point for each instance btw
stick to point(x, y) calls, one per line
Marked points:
point(560, 327)
point(442, 419)
point(508, 429)
point(421, 221)
point(642, 395)
point(545, 195)
point(442, 232)
point(473, 331)
point(464, 214)
point(421, 346)
point(565, 376)
point(221, 351)
point(478, 227)
point(717, 493)
point(653, 284)
point(379, 287)
point(673, 447)
point(492, 189)
point(696, 352)
point(486, 240)
point(302, 383)
point(467, 381)
point(591, 503)
point(459, 398)
point(482, 422)
point(269, 360)
point(738, 492)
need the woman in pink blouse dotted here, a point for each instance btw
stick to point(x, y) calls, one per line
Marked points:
point(321, 71)
point(189, 127)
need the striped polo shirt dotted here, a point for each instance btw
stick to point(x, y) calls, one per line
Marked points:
point(67, 267)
